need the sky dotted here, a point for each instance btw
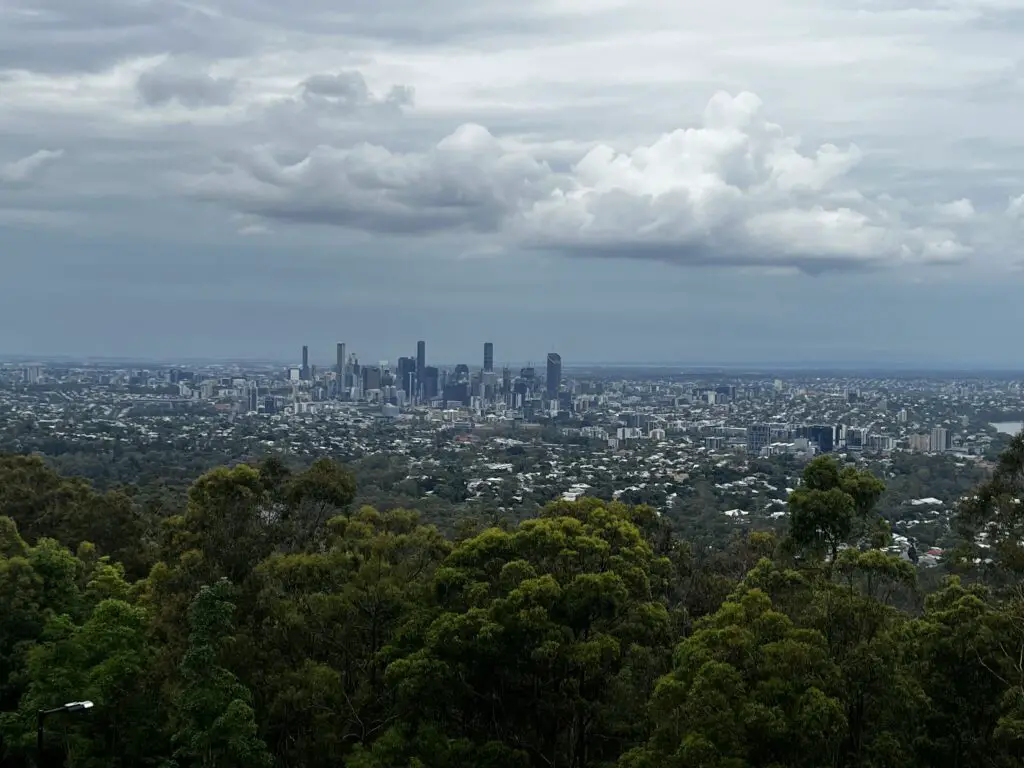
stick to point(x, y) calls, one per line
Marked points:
point(800, 181)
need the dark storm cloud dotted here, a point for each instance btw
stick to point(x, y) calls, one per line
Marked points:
point(165, 83)
point(61, 36)
point(464, 183)
point(349, 91)
point(346, 87)
point(716, 252)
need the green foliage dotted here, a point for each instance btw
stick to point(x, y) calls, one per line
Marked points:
point(748, 688)
point(42, 503)
point(545, 639)
point(269, 619)
point(323, 620)
point(213, 720)
point(832, 507)
point(991, 520)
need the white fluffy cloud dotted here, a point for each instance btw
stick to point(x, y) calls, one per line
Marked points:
point(958, 210)
point(734, 190)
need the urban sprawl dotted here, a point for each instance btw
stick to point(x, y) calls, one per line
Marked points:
point(708, 449)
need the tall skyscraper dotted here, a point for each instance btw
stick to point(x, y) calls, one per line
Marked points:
point(421, 364)
point(488, 357)
point(304, 373)
point(554, 380)
point(340, 363)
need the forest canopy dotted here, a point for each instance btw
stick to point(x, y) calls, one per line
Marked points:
point(268, 620)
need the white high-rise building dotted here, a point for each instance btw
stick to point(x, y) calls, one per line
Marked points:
point(940, 440)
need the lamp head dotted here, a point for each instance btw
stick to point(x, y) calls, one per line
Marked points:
point(77, 706)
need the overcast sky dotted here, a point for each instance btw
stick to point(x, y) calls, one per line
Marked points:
point(617, 180)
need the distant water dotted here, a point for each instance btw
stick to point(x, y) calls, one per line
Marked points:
point(1008, 427)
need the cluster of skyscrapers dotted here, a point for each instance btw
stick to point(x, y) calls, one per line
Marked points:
point(413, 381)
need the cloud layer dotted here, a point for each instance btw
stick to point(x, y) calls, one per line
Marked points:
point(735, 190)
point(608, 130)
point(26, 169)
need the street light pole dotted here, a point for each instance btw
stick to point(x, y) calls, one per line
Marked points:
point(71, 706)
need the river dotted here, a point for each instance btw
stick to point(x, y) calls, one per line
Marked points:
point(1008, 427)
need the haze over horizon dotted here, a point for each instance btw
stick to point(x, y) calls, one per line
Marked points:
point(620, 182)
point(870, 368)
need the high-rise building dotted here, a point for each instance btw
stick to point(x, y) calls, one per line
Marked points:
point(371, 378)
point(304, 371)
point(421, 364)
point(920, 442)
point(554, 380)
point(759, 436)
point(488, 356)
point(340, 369)
point(824, 435)
point(941, 440)
point(407, 374)
point(430, 382)
point(339, 365)
point(456, 392)
point(856, 437)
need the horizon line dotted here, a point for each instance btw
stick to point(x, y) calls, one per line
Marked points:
point(753, 366)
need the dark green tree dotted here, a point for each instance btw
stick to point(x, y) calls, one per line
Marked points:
point(213, 723)
point(832, 508)
point(544, 641)
point(748, 689)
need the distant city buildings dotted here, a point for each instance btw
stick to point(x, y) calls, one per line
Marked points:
point(410, 383)
point(421, 365)
point(554, 377)
point(919, 443)
point(941, 440)
point(758, 438)
point(719, 414)
point(692, 444)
